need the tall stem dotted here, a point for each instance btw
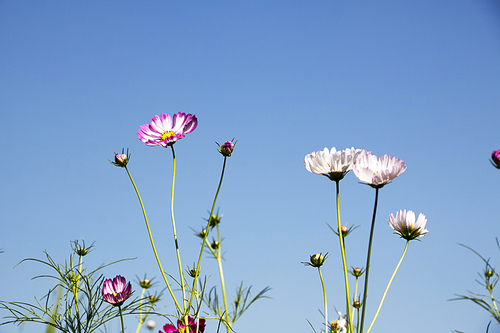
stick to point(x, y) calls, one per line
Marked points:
point(195, 281)
point(365, 292)
point(221, 274)
point(344, 263)
point(152, 242)
point(183, 287)
point(387, 288)
point(324, 299)
point(141, 320)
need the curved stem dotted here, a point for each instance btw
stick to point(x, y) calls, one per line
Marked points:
point(365, 292)
point(324, 299)
point(344, 263)
point(387, 288)
point(183, 287)
point(195, 281)
point(152, 242)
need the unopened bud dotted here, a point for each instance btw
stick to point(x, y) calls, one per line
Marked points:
point(121, 160)
point(317, 260)
point(145, 283)
point(356, 304)
point(357, 272)
point(226, 149)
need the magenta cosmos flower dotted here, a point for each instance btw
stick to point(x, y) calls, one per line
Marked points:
point(165, 131)
point(495, 158)
point(116, 291)
point(377, 172)
point(169, 328)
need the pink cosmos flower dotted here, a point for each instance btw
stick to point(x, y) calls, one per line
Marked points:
point(495, 158)
point(169, 328)
point(116, 291)
point(165, 131)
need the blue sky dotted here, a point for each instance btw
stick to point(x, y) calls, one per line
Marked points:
point(416, 80)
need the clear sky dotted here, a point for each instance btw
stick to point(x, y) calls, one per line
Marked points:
point(419, 80)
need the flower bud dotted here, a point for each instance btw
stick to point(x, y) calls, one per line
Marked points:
point(215, 245)
point(153, 299)
point(495, 158)
point(357, 272)
point(356, 304)
point(121, 160)
point(317, 260)
point(81, 250)
point(215, 220)
point(226, 149)
point(145, 283)
point(344, 230)
point(193, 272)
point(202, 234)
point(488, 273)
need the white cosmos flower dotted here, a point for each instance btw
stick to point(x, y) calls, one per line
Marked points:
point(405, 225)
point(332, 163)
point(378, 172)
point(339, 325)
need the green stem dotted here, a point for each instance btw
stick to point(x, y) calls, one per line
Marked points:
point(121, 316)
point(365, 292)
point(494, 303)
point(223, 287)
point(76, 292)
point(344, 262)
point(152, 242)
point(355, 293)
point(141, 320)
point(387, 288)
point(324, 299)
point(195, 281)
point(183, 287)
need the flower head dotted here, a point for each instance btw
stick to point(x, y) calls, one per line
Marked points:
point(164, 131)
point(226, 149)
point(338, 325)
point(116, 291)
point(405, 225)
point(332, 163)
point(378, 172)
point(181, 328)
point(495, 158)
point(121, 160)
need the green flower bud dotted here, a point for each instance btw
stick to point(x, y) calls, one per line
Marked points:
point(145, 283)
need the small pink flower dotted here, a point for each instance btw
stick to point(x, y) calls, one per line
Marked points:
point(169, 328)
point(163, 131)
point(495, 158)
point(116, 291)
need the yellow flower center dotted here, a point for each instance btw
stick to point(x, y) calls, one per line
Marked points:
point(167, 135)
point(181, 330)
